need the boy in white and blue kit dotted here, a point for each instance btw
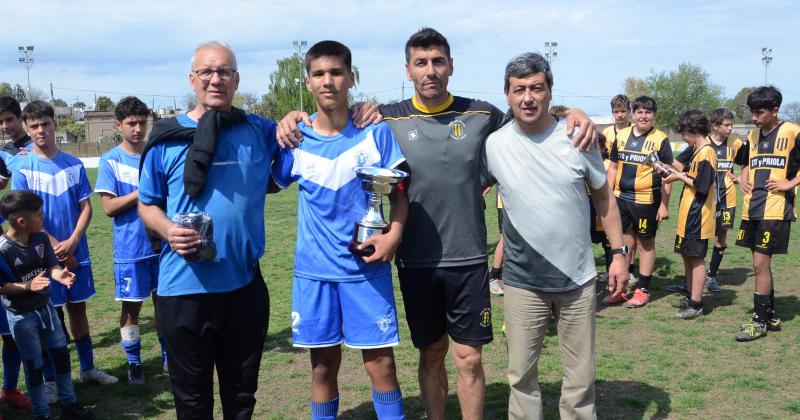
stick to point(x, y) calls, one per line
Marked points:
point(60, 180)
point(337, 296)
point(135, 263)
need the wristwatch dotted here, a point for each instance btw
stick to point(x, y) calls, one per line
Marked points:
point(623, 250)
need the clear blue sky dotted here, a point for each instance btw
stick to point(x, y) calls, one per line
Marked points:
point(144, 48)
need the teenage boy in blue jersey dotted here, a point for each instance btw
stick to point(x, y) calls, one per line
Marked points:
point(338, 296)
point(60, 180)
point(135, 263)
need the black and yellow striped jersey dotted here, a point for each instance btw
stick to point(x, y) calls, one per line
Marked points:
point(635, 181)
point(730, 151)
point(775, 155)
point(699, 203)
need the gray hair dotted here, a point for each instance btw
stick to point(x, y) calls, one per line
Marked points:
point(527, 64)
point(218, 45)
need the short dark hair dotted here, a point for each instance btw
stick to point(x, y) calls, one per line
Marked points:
point(525, 65)
point(9, 104)
point(719, 115)
point(19, 201)
point(329, 49)
point(645, 102)
point(37, 110)
point(620, 101)
point(426, 38)
point(765, 97)
point(130, 105)
point(694, 121)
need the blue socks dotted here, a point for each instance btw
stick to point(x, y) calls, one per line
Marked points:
point(11, 362)
point(388, 405)
point(325, 410)
point(85, 353)
point(133, 351)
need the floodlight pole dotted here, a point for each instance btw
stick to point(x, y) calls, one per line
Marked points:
point(551, 53)
point(300, 46)
point(766, 58)
point(26, 59)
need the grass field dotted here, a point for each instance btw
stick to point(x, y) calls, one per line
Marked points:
point(648, 365)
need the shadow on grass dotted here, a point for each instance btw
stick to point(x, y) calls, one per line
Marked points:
point(787, 307)
point(733, 276)
point(613, 400)
point(713, 301)
point(281, 342)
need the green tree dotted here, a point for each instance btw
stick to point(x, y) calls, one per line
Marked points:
point(6, 89)
point(635, 87)
point(18, 92)
point(286, 86)
point(72, 127)
point(676, 91)
point(738, 105)
point(59, 102)
point(79, 104)
point(791, 112)
point(104, 103)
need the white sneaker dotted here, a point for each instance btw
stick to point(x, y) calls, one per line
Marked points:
point(495, 287)
point(51, 392)
point(97, 376)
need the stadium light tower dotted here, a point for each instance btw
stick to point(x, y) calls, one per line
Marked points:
point(551, 53)
point(300, 46)
point(26, 59)
point(766, 58)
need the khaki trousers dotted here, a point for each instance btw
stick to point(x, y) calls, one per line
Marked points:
point(527, 314)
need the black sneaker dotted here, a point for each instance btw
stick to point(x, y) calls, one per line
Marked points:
point(77, 412)
point(679, 287)
point(752, 331)
point(135, 374)
point(774, 324)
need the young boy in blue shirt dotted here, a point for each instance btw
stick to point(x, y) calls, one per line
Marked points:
point(26, 260)
point(60, 180)
point(338, 296)
point(135, 263)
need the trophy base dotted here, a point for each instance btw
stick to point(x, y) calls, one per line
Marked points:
point(360, 234)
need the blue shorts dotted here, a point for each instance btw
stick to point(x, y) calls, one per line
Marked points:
point(82, 289)
point(361, 314)
point(4, 328)
point(135, 281)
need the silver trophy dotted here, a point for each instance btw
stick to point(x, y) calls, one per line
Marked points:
point(376, 182)
point(654, 162)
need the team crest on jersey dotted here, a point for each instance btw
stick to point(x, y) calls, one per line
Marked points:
point(361, 158)
point(457, 130)
point(486, 317)
point(413, 135)
point(295, 322)
point(40, 250)
point(384, 322)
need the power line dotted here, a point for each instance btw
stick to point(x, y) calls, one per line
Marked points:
point(115, 93)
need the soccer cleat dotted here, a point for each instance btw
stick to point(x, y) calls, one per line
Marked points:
point(712, 286)
point(751, 331)
point(495, 287)
point(679, 287)
point(613, 300)
point(51, 392)
point(688, 312)
point(680, 303)
point(97, 376)
point(774, 324)
point(77, 412)
point(135, 374)
point(16, 399)
point(639, 299)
